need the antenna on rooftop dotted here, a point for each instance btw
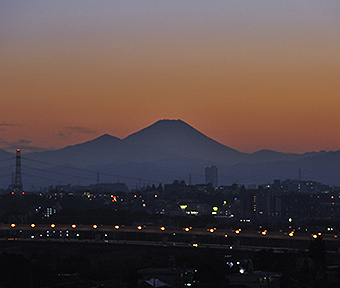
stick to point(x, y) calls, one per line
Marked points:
point(299, 174)
point(97, 178)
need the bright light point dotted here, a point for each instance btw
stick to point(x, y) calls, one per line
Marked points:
point(74, 226)
point(242, 270)
point(156, 195)
point(186, 229)
point(162, 228)
point(264, 233)
point(291, 234)
point(139, 227)
point(117, 227)
point(52, 225)
point(211, 230)
point(13, 225)
point(225, 235)
point(315, 236)
point(194, 245)
point(95, 226)
point(32, 225)
point(290, 220)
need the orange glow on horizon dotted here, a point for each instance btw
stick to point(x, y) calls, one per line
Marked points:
point(247, 80)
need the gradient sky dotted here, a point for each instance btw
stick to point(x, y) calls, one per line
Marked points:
point(250, 74)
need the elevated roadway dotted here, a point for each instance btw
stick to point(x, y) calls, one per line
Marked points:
point(151, 235)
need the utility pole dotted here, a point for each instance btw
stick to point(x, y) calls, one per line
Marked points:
point(300, 175)
point(97, 178)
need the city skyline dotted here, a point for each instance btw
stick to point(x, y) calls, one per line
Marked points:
point(251, 76)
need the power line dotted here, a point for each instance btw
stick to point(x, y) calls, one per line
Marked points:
point(89, 171)
point(7, 159)
point(59, 173)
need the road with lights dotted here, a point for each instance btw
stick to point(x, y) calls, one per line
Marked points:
point(150, 235)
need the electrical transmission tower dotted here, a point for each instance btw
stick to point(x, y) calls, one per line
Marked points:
point(17, 185)
point(18, 190)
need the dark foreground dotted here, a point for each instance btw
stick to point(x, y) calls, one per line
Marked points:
point(71, 264)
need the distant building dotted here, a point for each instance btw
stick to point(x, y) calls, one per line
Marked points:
point(211, 175)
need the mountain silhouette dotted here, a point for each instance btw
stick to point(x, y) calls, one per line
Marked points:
point(165, 151)
point(181, 139)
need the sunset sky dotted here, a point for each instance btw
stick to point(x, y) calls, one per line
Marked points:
point(250, 74)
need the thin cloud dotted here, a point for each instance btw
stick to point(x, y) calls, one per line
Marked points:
point(23, 144)
point(81, 129)
point(5, 124)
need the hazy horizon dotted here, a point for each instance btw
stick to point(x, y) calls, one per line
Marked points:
point(27, 149)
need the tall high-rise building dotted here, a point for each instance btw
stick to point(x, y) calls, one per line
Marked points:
point(211, 175)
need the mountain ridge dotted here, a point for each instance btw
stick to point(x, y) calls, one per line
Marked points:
point(168, 150)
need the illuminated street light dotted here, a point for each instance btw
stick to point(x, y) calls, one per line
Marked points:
point(95, 226)
point(117, 227)
point(162, 228)
point(74, 226)
point(13, 225)
point(139, 227)
point(52, 225)
point(32, 225)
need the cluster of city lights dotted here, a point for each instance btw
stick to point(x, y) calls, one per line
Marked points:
point(211, 230)
point(319, 234)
